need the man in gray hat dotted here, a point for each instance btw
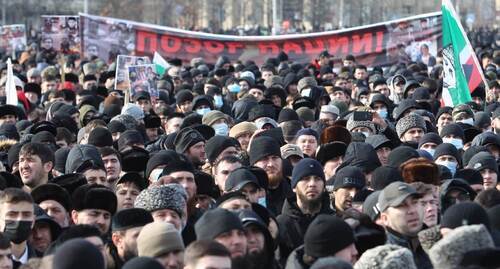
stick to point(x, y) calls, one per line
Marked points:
point(402, 218)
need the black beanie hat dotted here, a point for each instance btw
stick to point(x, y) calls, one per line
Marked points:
point(217, 144)
point(287, 114)
point(349, 177)
point(13, 154)
point(94, 197)
point(304, 168)
point(447, 149)
point(152, 121)
point(51, 191)
point(70, 182)
point(443, 110)
point(262, 147)
point(430, 138)
point(142, 263)
point(60, 157)
point(327, 235)
point(186, 138)
point(176, 166)
point(215, 222)
point(161, 157)
point(400, 155)
point(78, 254)
point(183, 96)
point(134, 159)
point(100, 137)
point(452, 129)
point(483, 160)
point(465, 213)
point(128, 138)
point(44, 137)
point(383, 176)
point(130, 218)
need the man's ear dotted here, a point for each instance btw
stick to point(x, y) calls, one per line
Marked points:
point(384, 218)
point(116, 238)
point(48, 166)
point(74, 216)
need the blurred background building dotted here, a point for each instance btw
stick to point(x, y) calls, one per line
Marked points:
point(250, 16)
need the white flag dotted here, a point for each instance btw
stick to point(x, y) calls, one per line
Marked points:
point(10, 85)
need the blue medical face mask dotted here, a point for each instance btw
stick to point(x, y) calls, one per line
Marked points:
point(234, 88)
point(383, 113)
point(262, 201)
point(452, 166)
point(430, 151)
point(457, 142)
point(218, 102)
point(221, 129)
point(203, 111)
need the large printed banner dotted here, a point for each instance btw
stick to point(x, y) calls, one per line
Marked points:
point(13, 37)
point(373, 45)
point(61, 33)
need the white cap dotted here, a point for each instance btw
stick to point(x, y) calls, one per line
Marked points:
point(330, 109)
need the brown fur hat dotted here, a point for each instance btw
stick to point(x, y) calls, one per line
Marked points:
point(420, 170)
point(335, 133)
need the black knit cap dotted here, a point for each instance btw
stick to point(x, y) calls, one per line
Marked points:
point(287, 114)
point(134, 159)
point(100, 137)
point(400, 155)
point(34, 88)
point(181, 164)
point(452, 129)
point(259, 111)
point(186, 138)
point(262, 147)
point(327, 235)
point(128, 138)
point(215, 222)
point(349, 177)
point(465, 213)
point(443, 110)
point(305, 168)
point(142, 262)
point(94, 197)
point(152, 121)
point(430, 138)
point(447, 149)
point(130, 218)
point(115, 126)
point(329, 151)
point(385, 175)
point(89, 256)
point(44, 137)
point(239, 178)
point(470, 152)
point(161, 157)
point(483, 160)
point(51, 191)
point(217, 144)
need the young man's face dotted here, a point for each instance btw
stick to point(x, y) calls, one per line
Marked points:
point(126, 193)
point(22, 211)
point(10, 119)
point(308, 144)
point(56, 211)
point(197, 153)
point(5, 258)
point(33, 172)
point(405, 219)
point(113, 166)
point(168, 215)
point(222, 172)
point(235, 241)
point(185, 179)
point(211, 262)
point(96, 176)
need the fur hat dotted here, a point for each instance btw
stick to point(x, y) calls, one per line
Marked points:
point(429, 237)
point(386, 257)
point(351, 124)
point(306, 82)
point(449, 251)
point(410, 121)
point(168, 196)
point(420, 170)
point(335, 133)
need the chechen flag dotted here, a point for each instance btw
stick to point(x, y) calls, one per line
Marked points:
point(462, 72)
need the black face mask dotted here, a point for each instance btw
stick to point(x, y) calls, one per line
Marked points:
point(17, 231)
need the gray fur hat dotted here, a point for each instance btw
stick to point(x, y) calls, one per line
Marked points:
point(448, 252)
point(410, 121)
point(386, 257)
point(168, 196)
point(351, 124)
point(306, 82)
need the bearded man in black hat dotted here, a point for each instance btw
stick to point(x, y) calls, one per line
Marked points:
point(126, 226)
point(192, 144)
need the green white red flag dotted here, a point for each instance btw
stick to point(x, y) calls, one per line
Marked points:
point(462, 73)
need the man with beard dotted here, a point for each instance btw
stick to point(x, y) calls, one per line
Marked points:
point(310, 200)
point(126, 226)
point(163, 242)
point(260, 244)
point(225, 227)
point(346, 183)
point(265, 153)
point(192, 144)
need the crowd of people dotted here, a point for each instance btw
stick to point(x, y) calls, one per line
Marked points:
point(238, 165)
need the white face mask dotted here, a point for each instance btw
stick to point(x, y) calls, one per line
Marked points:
point(383, 113)
point(457, 142)
point(430, 151)
point(218, 101)
point(452, 166)
point(367, 134)
point(469, 121)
